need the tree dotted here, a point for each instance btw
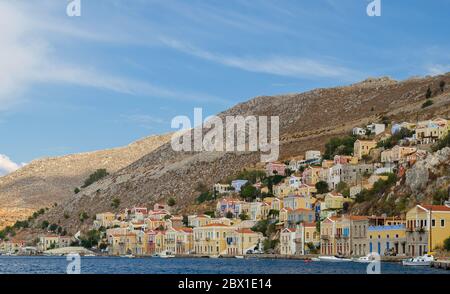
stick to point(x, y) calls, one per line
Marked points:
point(339, 146)
point(94, 177)
point(439, 197)
point(442, 86)
point(428, 93)
point(44, 224)
point(322, 187)
point(185, 220)
point(447, 244)
point(171, 201)
point(115, 203)
point(229, 215)
point(83, 216)
point(248, 191)
point(273, 213)
point(244, 216)
point(76, 190)
point(91, 239)
point(53, 227)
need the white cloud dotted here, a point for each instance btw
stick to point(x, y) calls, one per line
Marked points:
point(7, 165)
point(437, 69)
point(277, 65)
point(27, 57)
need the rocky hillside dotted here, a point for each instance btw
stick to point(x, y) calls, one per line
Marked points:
point(307, 120)
point(46, 181)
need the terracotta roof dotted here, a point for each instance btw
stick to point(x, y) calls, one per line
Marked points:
point(358, 217)
point(309, 224)
point(215, 225)
point(245, 231)
point(436, 207)
point(302, 210)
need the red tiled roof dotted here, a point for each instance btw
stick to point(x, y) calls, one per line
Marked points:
point(245, 231)
point(436, 207)
point(215, 225)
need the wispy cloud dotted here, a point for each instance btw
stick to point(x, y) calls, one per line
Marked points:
point(277, 65)
point(27, 58)
point(437, 69)
point(7, 165)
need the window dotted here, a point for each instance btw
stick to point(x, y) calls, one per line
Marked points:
point(433, 223)
point(442, 222)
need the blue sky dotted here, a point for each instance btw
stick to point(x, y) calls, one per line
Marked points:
point(124, 69)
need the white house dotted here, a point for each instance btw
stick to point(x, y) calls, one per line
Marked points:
point(376, 128)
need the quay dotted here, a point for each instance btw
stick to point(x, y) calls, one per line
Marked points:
point(442, 264)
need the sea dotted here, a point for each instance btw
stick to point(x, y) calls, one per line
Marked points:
point(125, 265)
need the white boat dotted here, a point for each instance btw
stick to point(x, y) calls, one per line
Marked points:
point(315, 259)
point(334, 259)
point(239, 256)
point(214, 256)
point(166, 254)
point(419, 260)
point(364, 259)
point(128, 256)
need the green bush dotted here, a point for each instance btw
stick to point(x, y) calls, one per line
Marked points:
point(44, 224)
point(115, 203)
point(205, 196)
point(395, 138)
point(171, 202)
point(339, 146)
point(447, 244)
point(96, 176)
point(442, 143)
point(322, 187)
point(427, 103)
point(439, 197)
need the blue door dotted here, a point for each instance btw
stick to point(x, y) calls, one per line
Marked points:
point(370, 247)
point(379, 248)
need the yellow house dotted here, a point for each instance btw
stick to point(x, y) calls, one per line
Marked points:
point(122, 244)
point(387, 239)
point(184, 241)
point(396, 154)
point(198, 220)
point(211, 239)
point(334, 200)
point(105, 220)
point(427, 226)
point(283, 216)
point(48, 242)
point(307, 238)
point(240, 241)
point(363, 147)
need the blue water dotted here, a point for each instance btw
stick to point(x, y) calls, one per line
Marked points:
point(120, 265)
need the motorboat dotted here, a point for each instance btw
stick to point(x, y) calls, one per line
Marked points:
point(365, 259)
point(424, 260)
point(334, 259)
point(239, 256)
point(166, 254)
point(315, 259)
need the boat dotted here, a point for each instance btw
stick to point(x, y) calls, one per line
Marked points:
point(214, 256)
point(166, 254)
point(239, 256)
point(315, 259)
point(128, 256)
point(334, 259)
point(364, 259)
point(155, 255)
point(424, 260)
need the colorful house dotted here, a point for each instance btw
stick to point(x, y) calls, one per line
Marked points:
point(387, 239)
point(427, 226)
point(363, 147)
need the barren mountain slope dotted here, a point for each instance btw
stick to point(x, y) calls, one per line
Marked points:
point(307, 121)
point(46, 181)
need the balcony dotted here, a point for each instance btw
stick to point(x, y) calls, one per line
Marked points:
point(324, 237)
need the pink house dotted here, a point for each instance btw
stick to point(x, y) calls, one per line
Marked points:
point(273, 168)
